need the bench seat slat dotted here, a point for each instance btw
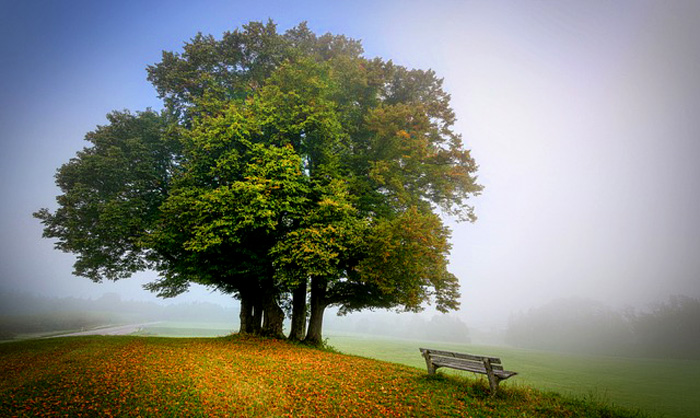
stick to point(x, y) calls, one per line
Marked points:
point(478, 368)
point(466, 367)
point(471, 367)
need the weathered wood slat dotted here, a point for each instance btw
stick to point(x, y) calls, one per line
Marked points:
point(454, 362)
point(461, 355)
point(479, 368)
point(503, 375)
point(473, 368)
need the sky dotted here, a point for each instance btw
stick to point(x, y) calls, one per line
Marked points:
point(583, 117)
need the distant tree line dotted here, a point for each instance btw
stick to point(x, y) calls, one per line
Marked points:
point(669, 330)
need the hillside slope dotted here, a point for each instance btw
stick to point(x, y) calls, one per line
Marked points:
point(242, 376)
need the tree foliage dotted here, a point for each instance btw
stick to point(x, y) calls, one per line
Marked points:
point(280, 161)
point(112, 193)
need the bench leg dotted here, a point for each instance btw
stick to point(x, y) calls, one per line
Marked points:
point(429, 364)
point(493, 379)
point(493, 383)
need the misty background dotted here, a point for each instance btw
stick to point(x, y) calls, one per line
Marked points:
point(581, 115)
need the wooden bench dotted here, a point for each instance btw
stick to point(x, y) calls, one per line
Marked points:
point(490, 366)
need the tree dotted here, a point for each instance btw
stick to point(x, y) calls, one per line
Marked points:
point(287, 162)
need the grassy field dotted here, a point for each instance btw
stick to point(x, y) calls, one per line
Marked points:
point(668, 387)
point(665, 387)
point(243, 376)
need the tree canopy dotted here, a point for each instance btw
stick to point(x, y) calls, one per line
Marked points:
point(285, 168)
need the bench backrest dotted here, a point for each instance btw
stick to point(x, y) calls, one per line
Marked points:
point(478, 361)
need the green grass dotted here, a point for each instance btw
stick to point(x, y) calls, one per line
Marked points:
point(244, 376)
point(668, 387)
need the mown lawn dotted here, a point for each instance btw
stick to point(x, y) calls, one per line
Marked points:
point(664, 386)
point(242, 376)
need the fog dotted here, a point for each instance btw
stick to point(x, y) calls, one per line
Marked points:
point(670, 329)
point(581, 115)
point(25, 315)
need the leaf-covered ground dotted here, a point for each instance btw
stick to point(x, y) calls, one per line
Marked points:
point(242, 376)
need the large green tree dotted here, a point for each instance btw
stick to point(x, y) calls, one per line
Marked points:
point(285, 168)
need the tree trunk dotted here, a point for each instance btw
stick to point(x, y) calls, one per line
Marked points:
point(273, 316)
point(246, 315)
point(251, 311)
point(298, 312)
point(255, 325)
point(314, 334)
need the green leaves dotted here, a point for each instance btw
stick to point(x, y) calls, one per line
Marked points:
point(271, 187)
point(111, 195)
point(406, 258)
point(325, 241)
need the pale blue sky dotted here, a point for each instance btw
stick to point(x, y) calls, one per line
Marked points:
point(582, 115)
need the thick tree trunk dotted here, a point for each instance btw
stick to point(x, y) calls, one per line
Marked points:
point(273, 317)
point(251, 311)
point(314, 334)
point(256, 322)
point(246, 315)
point(298, 312)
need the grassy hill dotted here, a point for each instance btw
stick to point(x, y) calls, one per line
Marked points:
point(664, 386)
point(243, 376)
